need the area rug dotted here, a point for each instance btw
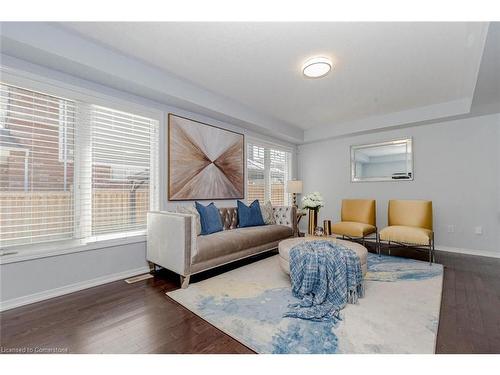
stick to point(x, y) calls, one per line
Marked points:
point(399, 313)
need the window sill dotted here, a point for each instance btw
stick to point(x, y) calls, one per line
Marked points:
point(46, 250)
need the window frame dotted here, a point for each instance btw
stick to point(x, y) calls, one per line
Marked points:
point(57, 88)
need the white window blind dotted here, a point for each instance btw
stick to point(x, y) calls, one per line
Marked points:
point(268, 169)
point(73, 170)
point(121, 166)
point(279, 170)
point(256, 179)
point(36, 184)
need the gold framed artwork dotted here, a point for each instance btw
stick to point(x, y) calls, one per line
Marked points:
point(204, 161)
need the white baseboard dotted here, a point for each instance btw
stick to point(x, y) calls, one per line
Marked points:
point(457, 250)
point(40, 296)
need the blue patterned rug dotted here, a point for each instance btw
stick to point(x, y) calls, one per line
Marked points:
point(399, 313)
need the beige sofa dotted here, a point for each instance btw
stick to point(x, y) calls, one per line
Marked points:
point(174, 244)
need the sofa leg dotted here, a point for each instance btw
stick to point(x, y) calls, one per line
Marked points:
point(184, 281)
point(152, 267)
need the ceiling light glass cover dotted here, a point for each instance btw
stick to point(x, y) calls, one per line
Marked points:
point(317, 67)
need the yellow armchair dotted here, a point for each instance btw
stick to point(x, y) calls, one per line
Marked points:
point(358, 219)
point(410, 224)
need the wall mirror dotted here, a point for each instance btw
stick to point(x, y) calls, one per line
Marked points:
point(384, 161)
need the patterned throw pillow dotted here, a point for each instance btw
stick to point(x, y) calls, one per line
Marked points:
point(268, 213)
point(192, 211)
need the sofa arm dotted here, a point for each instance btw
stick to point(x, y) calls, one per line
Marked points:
point(171, 238)
point(286, 215)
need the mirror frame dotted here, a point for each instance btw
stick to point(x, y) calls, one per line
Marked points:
point(354, 148)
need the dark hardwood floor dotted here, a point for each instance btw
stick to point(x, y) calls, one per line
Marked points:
point(139, 318)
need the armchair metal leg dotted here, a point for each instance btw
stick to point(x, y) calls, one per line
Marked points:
point(389, 247)
point(431, 252)
point(378, 244)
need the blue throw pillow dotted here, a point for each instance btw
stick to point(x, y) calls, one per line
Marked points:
point(250, 216)
point(209, 218)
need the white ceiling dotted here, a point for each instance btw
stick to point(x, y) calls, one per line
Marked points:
point(380, 68)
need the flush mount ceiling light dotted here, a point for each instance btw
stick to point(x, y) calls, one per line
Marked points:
point(317, 67)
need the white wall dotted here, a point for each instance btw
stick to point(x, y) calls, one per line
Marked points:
point(38, 279)
point(32, 280)
point(457, 166)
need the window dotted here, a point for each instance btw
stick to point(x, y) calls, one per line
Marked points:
point(72, 170)
point(121, 162)
point(36, 188)
point(268, 169)
point(255, 172)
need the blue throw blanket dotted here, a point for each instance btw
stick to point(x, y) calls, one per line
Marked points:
point(325, 276)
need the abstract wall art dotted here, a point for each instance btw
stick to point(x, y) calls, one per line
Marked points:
point(204, 161)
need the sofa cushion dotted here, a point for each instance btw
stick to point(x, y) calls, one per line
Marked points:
point(268, 213)
point(249, 216)
point(229, 216)
point(210, 218)
point(285, 216)
point(239, 239)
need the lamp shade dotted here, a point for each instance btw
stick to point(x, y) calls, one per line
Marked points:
point(294, 186)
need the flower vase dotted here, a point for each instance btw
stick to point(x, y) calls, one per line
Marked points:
point(313, 221)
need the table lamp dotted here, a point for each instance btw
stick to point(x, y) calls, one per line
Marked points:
point(294, 187)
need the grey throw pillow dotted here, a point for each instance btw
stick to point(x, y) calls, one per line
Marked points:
point(268, 213)
point(193, 211)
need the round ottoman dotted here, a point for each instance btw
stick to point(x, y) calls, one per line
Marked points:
point(285, 246)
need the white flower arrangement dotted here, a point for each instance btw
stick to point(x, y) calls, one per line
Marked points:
point(313, 201)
